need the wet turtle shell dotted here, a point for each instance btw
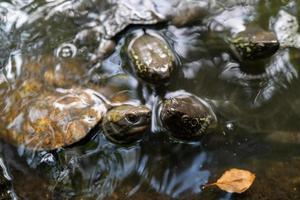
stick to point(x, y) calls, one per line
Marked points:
point(186, 116)
point(251, 44)
point(150, 57)
point(254, 43)
point(53, 119)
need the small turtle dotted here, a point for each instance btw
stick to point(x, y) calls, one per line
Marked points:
point(186, 116)
point(254, 43)
point(251, 44)
point(42, 111)
point(150, 57)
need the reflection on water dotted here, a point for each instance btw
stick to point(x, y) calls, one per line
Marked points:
point(258, 112)
point(6, 190)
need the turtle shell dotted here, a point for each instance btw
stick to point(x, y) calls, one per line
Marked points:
point(151, 57)
point(53, 119)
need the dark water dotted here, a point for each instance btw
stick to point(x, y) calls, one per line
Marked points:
point(259, 115)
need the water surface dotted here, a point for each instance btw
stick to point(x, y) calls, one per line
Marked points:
point(259, 117)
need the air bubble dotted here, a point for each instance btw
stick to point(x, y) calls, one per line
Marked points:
point(66, 50)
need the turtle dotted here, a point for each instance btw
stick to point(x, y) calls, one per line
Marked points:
point(46, 108)
point(150, 57)
point(254, 43)
point(249, 45)
point(185, 116)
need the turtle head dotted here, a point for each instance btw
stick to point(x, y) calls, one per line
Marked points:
point(126, 123)
point(186, 117)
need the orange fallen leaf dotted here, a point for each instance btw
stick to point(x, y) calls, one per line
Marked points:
point(234, 181)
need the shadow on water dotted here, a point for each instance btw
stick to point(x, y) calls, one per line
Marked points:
point(258, 110)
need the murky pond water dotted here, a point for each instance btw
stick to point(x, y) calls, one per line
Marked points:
point(47, 45)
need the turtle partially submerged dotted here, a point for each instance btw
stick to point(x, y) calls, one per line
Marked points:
point(249, 45)
point(46, 109)
point(254, 43)
point(150, 57)
point(186, 116)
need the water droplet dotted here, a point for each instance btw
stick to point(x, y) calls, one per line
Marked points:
point(66, 50)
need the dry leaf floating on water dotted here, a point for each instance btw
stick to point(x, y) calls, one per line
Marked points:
point(234, 181)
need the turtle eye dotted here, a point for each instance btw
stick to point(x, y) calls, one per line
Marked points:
point(131, 118)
